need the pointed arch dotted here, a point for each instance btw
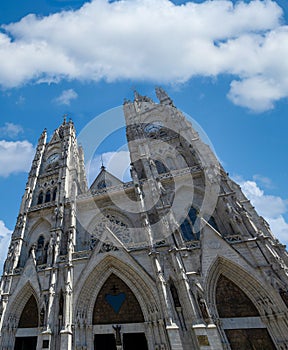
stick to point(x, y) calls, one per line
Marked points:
point(41, 250)
point(30, 315)
point(234, 294)
point(41, 226)
point(241, 278)
point(54, 195)
point(116, 303)
point(21, 306)
point(140, 284)
point(227, 295)
point(161, 167)
point(174, 294)
point(47, 196)
point(40, 198)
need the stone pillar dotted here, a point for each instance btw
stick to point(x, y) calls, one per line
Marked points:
point(171, 327)
point(66, 333)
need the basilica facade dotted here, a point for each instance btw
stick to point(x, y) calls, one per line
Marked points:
point(175, 259)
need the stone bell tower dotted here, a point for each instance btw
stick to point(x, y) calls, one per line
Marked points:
point(197, 218)
point(45, 230)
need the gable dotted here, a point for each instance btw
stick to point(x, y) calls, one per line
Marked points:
point(105, 180)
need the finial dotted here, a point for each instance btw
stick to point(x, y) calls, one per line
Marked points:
point(140, 98)
point(65, 118)
point(42, 138)
point(136, 95)
point(163, 96)
point(102, 164)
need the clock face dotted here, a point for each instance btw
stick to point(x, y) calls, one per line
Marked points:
point(53, 158)
point(153, 127)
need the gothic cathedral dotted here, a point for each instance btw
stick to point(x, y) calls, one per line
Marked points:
point(175, 259)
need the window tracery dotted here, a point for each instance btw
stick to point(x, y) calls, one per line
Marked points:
point(48, 196)
point(54, 194)
point(41, 251)
point(40, 198)
point(161, 168)
point(188, 228)
point(103, 184)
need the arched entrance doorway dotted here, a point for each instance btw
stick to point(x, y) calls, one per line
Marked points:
point(26, 336)
point(118, 321)
point(240, 318)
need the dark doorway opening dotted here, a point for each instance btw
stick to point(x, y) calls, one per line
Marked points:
point(104, 342)
point(25, 343)
point(132, 341)
point(249, 339)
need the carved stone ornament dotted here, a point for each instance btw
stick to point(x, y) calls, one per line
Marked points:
point(108, 247)
point(120, 230)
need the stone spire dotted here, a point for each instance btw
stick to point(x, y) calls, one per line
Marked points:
point(163, 96)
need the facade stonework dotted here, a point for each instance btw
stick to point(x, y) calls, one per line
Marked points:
point(175, 259)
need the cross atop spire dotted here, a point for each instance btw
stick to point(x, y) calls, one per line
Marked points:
point(102, 164)
point(65, 118)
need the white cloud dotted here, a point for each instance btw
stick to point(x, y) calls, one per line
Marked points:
point(154, 40)
point(5, 236)
point(11, 130)
point(272, 208)
point(15, 156)
point(263, 181)
point(117, 163)
point(66, 97)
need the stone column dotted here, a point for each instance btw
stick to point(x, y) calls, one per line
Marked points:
point(66, 333)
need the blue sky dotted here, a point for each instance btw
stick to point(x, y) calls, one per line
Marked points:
point(224, 63)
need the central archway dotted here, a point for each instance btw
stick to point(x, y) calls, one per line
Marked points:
point(116, 305)
point(117, 301)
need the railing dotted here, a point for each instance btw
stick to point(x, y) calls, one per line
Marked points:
point(119, 188)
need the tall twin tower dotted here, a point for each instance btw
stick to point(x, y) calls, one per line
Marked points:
point(176, 259)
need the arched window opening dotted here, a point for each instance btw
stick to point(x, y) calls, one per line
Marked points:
point(101, 185)
point(161, 168)
point(189, 227)
point(61, 304)
point(175, 295)
point(212, 222)
point(116, 304)
point(163, 132)
point(41, 251)
point(186, 230)
point(48, 196)
point(64, 243)
point(40, 242)
point(29, 317)
point(40, 198)
point(54, 194)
